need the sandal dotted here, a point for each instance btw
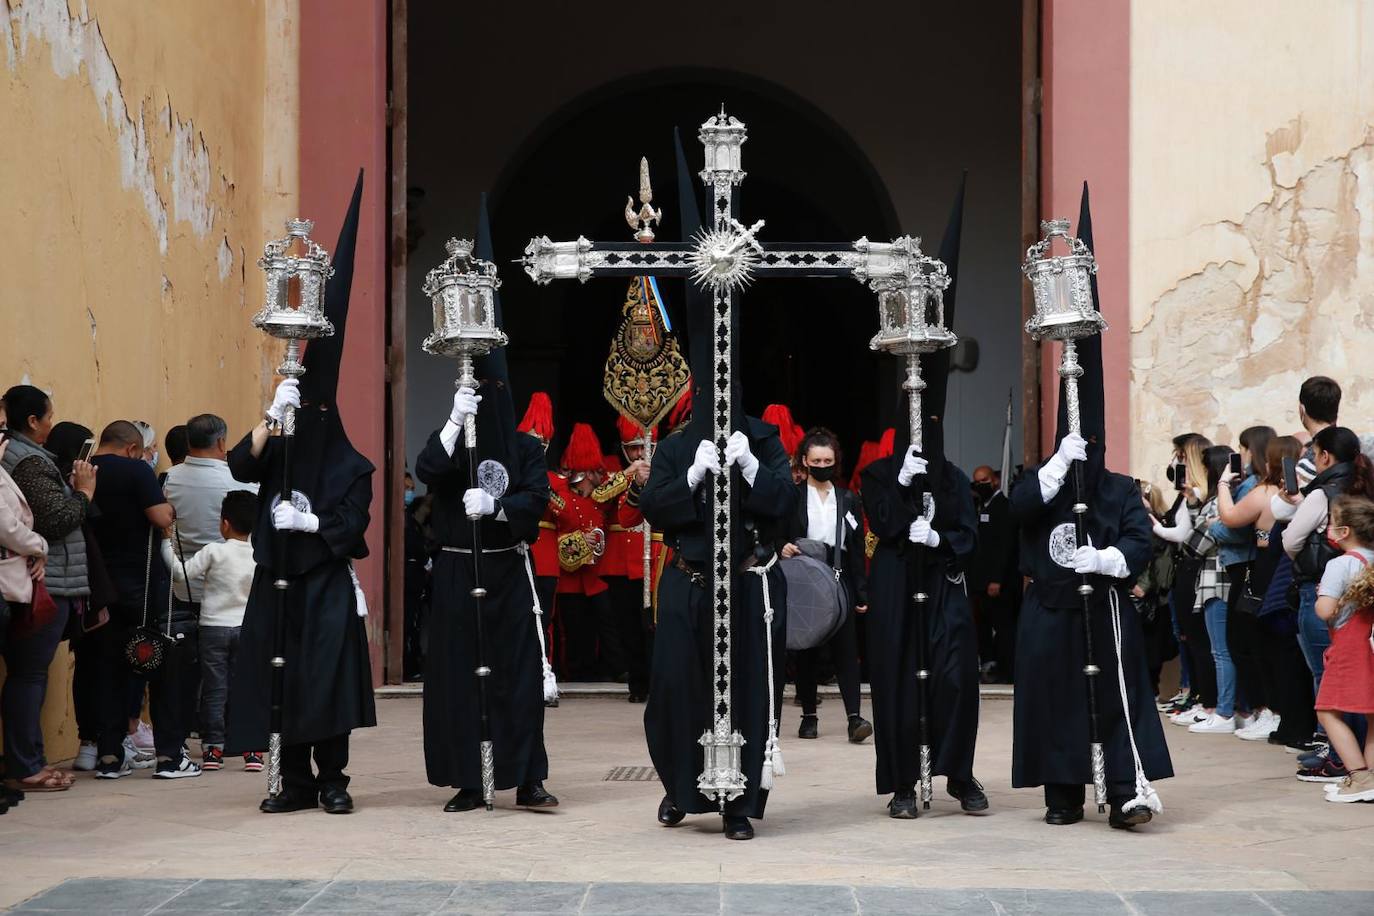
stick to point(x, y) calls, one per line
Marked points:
point(67, 776)
point(51, 781)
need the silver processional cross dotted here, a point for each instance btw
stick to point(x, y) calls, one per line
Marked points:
point(723, 258)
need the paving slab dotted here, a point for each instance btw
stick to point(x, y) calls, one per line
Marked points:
point(1235, 820)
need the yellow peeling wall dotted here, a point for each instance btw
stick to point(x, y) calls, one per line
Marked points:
point(1252, 215)
point(149, 148)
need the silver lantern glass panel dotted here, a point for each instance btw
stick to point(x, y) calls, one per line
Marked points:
point(911, 308)
point(462, 291)
point(1062, 284)
point(295, 269)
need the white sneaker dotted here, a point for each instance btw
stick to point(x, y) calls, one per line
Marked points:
point(177, 769)
point(1176, 698)
point(1214, 725)
point(1190, 716)
point(86, 757)
point(1244, 722)
point(143, 737)
point(135, 758)
point(1260, 728)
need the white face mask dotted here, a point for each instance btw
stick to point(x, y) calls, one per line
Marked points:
point(152, 460)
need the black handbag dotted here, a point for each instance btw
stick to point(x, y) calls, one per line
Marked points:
point(149, 647)
point(1311, 559)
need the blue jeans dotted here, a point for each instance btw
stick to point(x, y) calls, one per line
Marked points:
point(1313, 634)
point(29, 651)
point(219, 647)
point(1214, 612)
point(1185, 671)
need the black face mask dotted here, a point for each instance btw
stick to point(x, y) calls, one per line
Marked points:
point(984, 488)
point(821, 474)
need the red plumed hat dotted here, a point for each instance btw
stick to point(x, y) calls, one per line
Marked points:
point(631, 433)
point(538, 420)
point(885, 443)
point(681, 411)
point(868, 453)
point(791, 434)
point(583, 453)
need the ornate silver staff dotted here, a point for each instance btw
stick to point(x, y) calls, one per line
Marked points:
point(1064, 311)
point(911, 321)
point(463, 293)
point(293, 310)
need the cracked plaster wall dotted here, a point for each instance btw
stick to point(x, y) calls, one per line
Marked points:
point(1252, 215)
point(150, 149)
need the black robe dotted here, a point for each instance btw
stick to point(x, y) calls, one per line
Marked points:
point(680, 689)
point(892, 643)
point(1050, 735)
point(328, 673)
point(515, 692)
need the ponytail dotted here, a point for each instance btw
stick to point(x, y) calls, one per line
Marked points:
point(1362, 477)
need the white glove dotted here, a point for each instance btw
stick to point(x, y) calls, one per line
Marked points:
point(922, 533)
point(288, 395)
point(706, 460)
point(1071, 448)
point(465, 402)
point(737, 452)
point(912, 466)
point(287, 517)
point(478, 502)
point(1109, 561)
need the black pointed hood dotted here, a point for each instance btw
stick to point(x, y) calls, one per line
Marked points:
point(324, 463)
point(696, 302)
point(935, 367)
point(323, 357)
point(1092, 407)
point(496, 420)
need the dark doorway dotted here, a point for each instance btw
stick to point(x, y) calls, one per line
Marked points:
point(805, 342)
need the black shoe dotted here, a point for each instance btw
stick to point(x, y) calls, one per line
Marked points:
point(1062, 817)
point(1130, 817)
point(638, 697)
point(971, 796)
point(336, 801)
point(738, 828)
point(465, 800)
point(534, 796)
point(551, 704)
point(860, 729)
point(809, 727)
point(903, 806)
point(669, 814)
point(13, 796)
point(287, 802)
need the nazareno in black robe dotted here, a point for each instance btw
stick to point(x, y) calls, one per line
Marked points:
point(892, 627)
point(1050, 736)
point(328, 673)
point(680, 687)
point(515, 689)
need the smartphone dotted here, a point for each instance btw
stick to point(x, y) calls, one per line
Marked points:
point(1180, 476)
point(1236, 467)
point(86, 448)
point(1290, 477)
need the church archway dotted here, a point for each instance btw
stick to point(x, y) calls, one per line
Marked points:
point(805, 343)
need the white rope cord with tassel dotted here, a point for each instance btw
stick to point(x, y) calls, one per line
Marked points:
point(772, 748)
point(1145, 794)
point(550, 681)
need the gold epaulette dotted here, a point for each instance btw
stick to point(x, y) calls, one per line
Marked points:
point(557, 502)
point(574, 552)
point(870, 544)
point(616, 484)
point(549, 525)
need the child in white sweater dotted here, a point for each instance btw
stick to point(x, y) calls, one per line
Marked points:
point(225, 572)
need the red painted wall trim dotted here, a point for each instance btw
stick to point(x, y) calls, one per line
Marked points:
point(343, 128)
point(1086, 136)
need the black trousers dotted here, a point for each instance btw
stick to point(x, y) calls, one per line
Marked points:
point(1062, 796)
point(1254, 679)
point(1199, 648)
point(113, 676)
point(592, 638)
point(86, 686)
point(996, 620)
point(627, 604)
point(413, 651)
point(1293, 696)
point(331, 759)
point(844, 655)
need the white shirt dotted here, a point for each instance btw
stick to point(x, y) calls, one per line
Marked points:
point(223, 574)
point(820, 515)
point(196, 489)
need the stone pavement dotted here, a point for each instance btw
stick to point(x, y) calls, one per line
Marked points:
point(1236, 825)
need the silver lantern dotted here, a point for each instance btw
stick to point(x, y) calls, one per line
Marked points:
point(463, 293)
point(293, 309)
point(911, 321)
point(1062, 284)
